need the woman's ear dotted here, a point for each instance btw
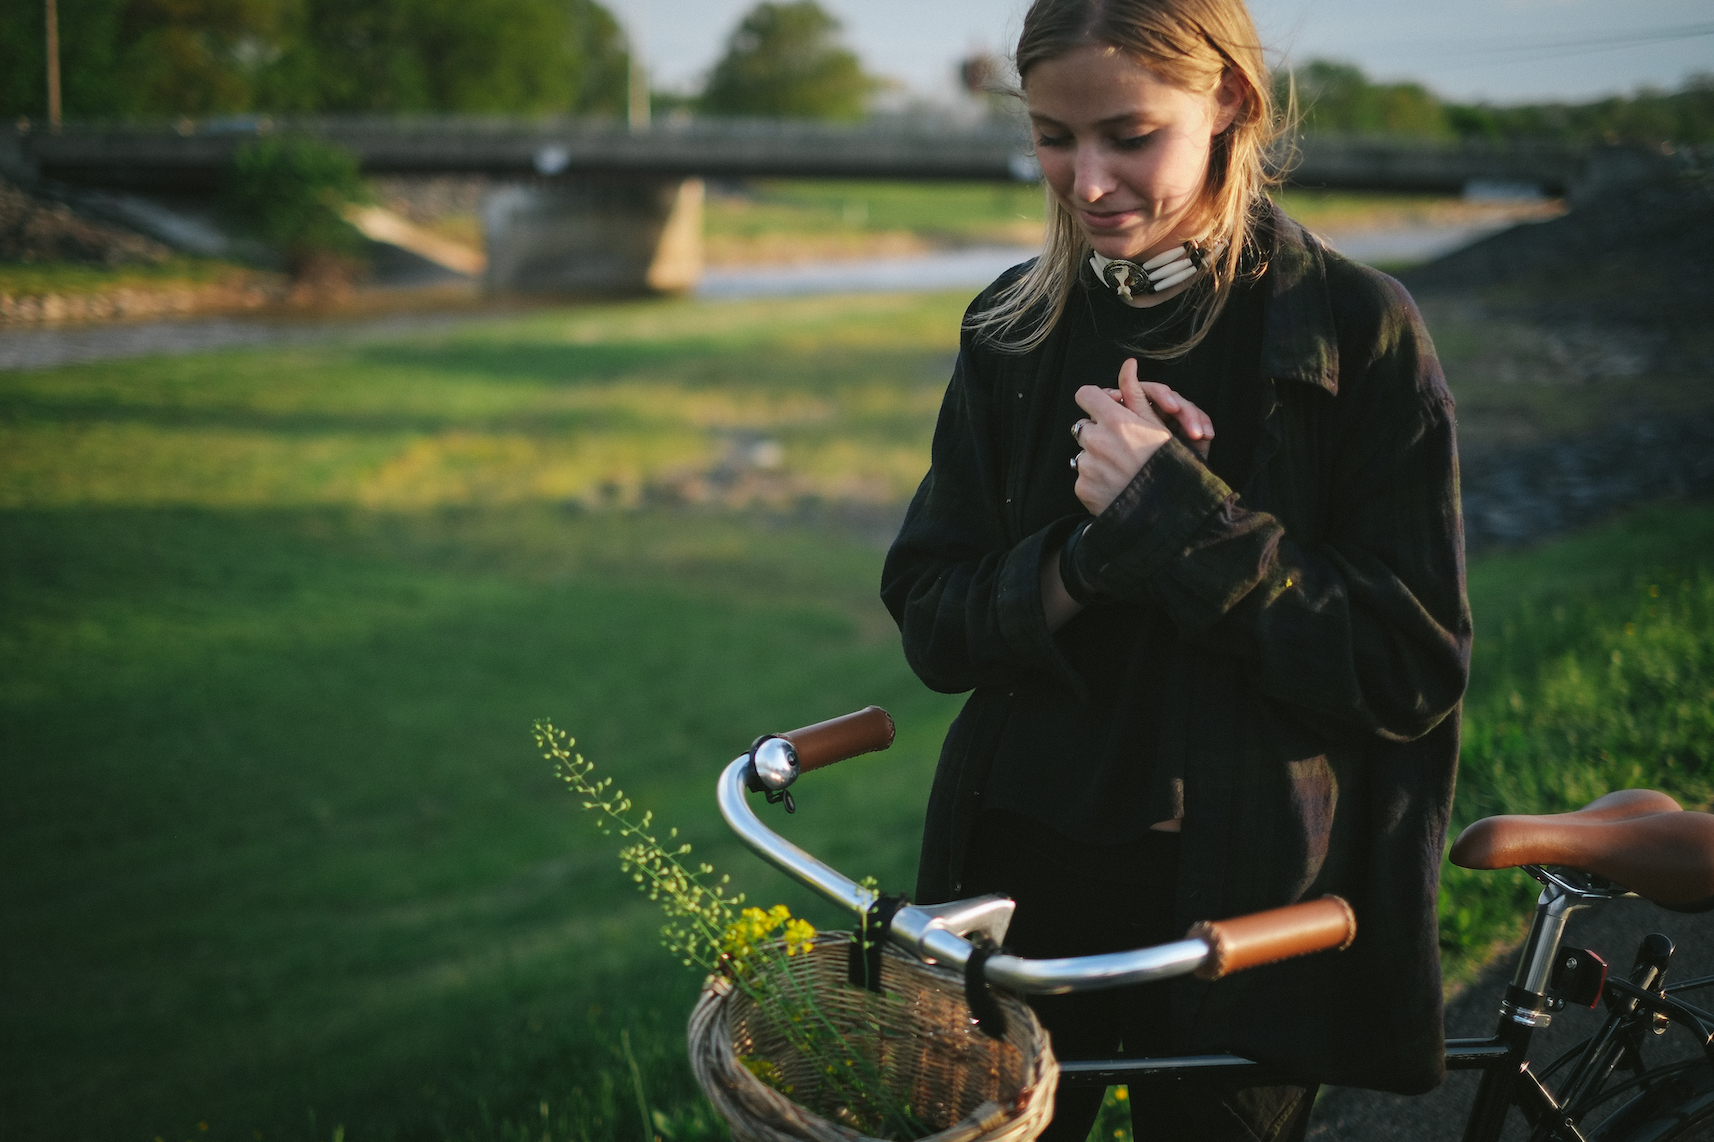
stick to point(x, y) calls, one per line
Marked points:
point(1229, 99)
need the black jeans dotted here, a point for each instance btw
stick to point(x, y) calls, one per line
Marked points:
point(1077, 899)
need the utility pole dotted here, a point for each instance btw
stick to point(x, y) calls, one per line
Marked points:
point(637, 73)
point(53, 21)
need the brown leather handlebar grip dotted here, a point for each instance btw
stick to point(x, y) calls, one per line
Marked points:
point(1277, 934)
point(836, 739)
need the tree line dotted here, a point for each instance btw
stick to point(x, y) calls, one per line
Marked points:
point(152, 59)
point(1337, 98)
point(148, 59)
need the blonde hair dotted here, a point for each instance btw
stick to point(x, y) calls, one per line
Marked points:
point(1191, 44)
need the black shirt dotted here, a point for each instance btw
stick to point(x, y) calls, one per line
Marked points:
point(1088, 769)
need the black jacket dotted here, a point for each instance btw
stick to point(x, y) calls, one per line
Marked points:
point(1318, 632)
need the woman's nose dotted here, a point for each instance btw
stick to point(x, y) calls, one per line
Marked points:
point(1093, 179)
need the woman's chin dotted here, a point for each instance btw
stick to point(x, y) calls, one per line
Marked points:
point(1131, 247)
point(1118, 246)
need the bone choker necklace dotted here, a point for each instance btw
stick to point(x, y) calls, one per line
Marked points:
point(1160, 273)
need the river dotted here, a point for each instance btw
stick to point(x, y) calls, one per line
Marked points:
point(971, 268)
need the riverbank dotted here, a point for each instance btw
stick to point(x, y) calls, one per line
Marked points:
point(775, 237)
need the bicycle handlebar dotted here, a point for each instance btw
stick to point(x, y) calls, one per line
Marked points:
point(836, 739)
point(936, 934)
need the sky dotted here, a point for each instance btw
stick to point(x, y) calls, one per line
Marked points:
point(1502, 51)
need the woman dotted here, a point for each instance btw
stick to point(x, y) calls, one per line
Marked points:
point(1191, 537)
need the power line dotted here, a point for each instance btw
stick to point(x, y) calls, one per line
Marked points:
point(1605, 43)
point(1551, 48)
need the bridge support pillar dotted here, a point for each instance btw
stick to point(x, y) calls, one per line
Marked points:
point(607, 236)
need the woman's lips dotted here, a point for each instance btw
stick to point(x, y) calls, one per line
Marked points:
point(1109, 219)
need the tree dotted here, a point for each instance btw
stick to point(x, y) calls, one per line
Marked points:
point(163, 58)
point(1648, 118)
point(460, 55)
point(1337, 97)
point(784, 60)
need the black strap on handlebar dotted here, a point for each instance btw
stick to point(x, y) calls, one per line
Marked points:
point(863, 962)
point(984, 1008)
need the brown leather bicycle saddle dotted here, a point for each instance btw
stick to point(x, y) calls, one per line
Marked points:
point(1636, 838)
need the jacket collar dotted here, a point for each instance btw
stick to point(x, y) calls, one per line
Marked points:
point(1299, 340)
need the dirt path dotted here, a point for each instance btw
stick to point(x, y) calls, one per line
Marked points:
point(53, 347)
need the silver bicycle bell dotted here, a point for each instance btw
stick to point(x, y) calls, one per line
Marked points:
point(775, 764)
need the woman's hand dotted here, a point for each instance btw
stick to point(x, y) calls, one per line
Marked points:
point(1125, 428)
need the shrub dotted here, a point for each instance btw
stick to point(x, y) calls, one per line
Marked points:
point(289, 192)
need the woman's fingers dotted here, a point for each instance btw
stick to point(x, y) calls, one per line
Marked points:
point(1196, 424)
point(1096, 403)
point(1191, 419)
point(1158, 394)
point(1115, 440)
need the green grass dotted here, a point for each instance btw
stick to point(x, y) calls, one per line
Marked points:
point(1593, 671)
point(604, 406)
point(970, 213)
point(1361, 209)
point(21, 278)
point(280, 856)
point(277, 838)
point(960, 212)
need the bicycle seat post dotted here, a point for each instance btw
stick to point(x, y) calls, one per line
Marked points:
point(1527, 1005)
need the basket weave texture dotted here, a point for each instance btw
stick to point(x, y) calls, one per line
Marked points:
point(967, 1086)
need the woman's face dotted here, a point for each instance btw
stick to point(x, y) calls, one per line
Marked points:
point(1123, 150)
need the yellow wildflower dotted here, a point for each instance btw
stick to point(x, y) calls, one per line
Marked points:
point(798, 936)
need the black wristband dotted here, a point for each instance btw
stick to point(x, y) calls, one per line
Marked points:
point(1071, 572)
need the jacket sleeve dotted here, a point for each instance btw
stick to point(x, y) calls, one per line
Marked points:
point(1365, 631)
point(967, 599)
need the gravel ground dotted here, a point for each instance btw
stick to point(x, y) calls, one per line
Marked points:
point(1517, 495)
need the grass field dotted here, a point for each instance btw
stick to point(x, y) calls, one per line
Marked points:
point(282, 861)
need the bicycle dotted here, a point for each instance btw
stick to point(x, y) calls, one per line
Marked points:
point(1628, 843)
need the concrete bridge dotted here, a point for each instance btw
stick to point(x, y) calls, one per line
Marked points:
point(593, 206)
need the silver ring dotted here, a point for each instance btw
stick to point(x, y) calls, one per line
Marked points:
point(1077, 430)
point(1074, 460)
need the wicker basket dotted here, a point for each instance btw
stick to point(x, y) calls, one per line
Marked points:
point(965, 1085)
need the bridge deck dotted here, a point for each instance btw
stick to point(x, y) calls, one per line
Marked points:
point(192, 159)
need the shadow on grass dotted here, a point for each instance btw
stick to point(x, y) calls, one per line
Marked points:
point(277, 838)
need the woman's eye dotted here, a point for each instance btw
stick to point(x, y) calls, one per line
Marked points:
point(1052, 140)
point(1135, 142)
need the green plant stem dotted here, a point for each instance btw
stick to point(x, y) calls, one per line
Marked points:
point(637, 1085)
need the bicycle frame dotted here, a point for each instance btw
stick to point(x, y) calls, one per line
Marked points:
point(948, 934)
